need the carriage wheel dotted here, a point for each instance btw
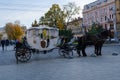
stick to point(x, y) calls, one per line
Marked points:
point(60, 51)
point(68, 54)
point(23, 55)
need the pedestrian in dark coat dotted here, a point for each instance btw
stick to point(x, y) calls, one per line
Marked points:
point(3, 44)
point(6, 43)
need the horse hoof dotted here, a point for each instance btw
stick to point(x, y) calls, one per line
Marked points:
point(93, 55)
point(79, 55)
point(84, 55)
point(100, 54)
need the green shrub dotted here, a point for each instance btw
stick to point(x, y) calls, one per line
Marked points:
point(65, 33)
point(96, 28)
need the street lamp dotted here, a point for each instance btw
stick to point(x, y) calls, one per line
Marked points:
point(114, 22)
point(84, 29)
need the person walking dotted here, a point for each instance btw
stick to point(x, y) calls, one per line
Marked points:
point(6, 43)
point(3, 44)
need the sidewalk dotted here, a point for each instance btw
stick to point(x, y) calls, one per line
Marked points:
point(10, 47)
point(112, 43)
point(53, 67)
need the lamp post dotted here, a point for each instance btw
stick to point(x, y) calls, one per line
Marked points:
point(114, 22)
point(84, 29)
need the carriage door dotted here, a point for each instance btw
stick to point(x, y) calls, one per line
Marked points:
point(44, 42)
point(32, 38)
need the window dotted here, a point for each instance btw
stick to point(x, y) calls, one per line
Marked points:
point(101, 19)
point(87, 7)
point(105, 1)
point(110, 16)
point(105, 26)
point(105, 18)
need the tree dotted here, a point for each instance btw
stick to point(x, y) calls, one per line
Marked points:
point(42, 20)
point(35, 24)
point(54, 17)
point(1, 36)
point(70, 10)
point(65, 33)
point(14, 31)
point(95, 28)
point(9, 30)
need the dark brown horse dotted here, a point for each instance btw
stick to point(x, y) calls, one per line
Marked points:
point(97, 40)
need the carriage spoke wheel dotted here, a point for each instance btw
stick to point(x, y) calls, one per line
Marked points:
point(60, 51)
point(23, 55)
point(68, 54)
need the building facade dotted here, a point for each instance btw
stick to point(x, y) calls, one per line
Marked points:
point(76, 26)
point(117, 2)
point(104, 12)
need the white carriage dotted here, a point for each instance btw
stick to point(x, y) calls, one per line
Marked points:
point(42, 38)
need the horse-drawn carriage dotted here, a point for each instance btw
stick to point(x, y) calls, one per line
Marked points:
point(44, 39)
point(38, 39)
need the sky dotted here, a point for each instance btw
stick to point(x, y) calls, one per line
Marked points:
point(26, 11)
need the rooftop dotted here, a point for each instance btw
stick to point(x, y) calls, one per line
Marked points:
point(95, 3)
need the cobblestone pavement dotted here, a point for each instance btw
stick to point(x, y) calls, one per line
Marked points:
point(51, 66)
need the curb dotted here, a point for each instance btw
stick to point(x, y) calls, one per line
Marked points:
point(112, 44)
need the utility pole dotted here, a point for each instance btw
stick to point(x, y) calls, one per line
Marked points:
point(114, 22)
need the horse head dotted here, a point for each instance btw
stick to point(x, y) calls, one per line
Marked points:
point(106, 33)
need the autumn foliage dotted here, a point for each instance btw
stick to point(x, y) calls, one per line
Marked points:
point(14, 31)
point(55, 17)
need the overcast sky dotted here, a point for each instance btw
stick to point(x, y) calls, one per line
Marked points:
point(26, 11)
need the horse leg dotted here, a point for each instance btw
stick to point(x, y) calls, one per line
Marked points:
point(100, 48)
point(83, 52)
point(78, 48)
point(78, 52)
point(96, 50)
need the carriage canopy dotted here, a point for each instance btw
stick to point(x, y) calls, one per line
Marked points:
point(42, 37)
